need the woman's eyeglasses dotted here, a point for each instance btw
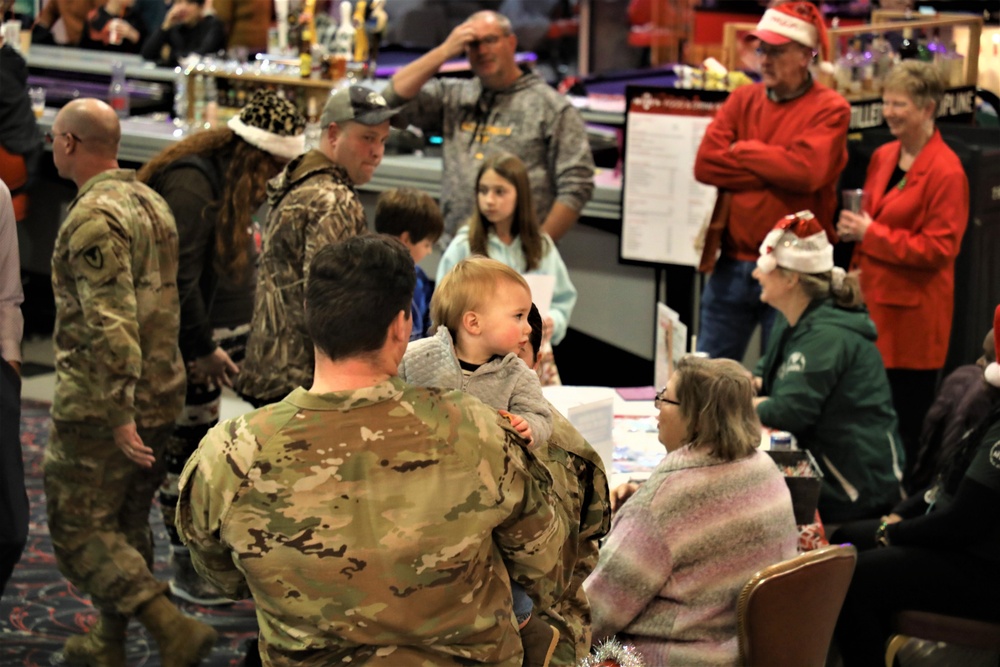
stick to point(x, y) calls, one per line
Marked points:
point(661, 398)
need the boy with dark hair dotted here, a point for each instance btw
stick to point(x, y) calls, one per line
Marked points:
point(414, 218)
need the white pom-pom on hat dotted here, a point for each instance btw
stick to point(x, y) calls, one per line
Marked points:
point(993, 370)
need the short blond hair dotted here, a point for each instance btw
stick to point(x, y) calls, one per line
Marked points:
point(470, 283)
point(918, 80)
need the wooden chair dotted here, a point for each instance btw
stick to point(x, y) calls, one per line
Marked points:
point(786, 612)
point(940, 628)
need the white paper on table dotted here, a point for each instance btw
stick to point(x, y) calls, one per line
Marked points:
point(542, 289)
point(591, 411)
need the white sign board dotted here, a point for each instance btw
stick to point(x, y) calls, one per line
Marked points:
point(663, 206)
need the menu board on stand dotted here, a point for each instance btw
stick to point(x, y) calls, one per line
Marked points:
point(663, 207)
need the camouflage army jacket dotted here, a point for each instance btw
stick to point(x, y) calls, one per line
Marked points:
point(313, 204)
point(581, 486)
point(376, 523)
point(114, 277)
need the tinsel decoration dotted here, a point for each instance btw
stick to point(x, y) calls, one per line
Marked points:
point(612, 653)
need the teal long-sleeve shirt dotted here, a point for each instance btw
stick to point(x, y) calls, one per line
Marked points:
point(563, 294)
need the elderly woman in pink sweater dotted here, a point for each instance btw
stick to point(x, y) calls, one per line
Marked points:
point(713, 512)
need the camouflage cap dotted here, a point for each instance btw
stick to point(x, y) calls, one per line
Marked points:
point(356, 103)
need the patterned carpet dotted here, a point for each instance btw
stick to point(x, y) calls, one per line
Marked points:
point(40, 609)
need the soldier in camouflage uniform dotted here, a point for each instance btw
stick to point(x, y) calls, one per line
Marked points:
point(581, 485)
point(371, 520)
point(119, 387)
point(313, 204)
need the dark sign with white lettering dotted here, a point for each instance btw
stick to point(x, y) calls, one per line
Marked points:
point(958, 105)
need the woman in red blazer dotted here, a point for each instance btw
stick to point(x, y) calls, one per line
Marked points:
point(907, 242)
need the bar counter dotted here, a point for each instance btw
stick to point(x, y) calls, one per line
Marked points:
point(144, 137)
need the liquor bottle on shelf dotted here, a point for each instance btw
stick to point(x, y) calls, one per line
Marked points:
point(307, 35)
point(180, 98)
point(935, 45)
point(211, 110)
point(883, 57)
point(909, 49)
point(923, 52)
point(118, 96)
point(343, 38)
point(197, 92)
point(866, 69)
point(847, 70)
point(313, 131)
point(281, 15)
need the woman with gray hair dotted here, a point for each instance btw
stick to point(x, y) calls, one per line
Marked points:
point(822, 374)
point(714, 511)
point(907, 241)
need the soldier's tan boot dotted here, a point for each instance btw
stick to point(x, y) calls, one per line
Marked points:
point(182, 640)
point(103, 646)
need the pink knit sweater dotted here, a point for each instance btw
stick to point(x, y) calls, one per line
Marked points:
point(681, 549)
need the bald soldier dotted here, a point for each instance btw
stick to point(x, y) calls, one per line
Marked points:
point(119, 388)
point(369, 519)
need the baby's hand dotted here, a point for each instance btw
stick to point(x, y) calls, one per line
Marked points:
point(520, 425)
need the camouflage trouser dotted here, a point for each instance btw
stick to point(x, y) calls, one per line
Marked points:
point(98, 505)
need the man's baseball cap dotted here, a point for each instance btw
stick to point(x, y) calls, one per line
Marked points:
point(356, 103)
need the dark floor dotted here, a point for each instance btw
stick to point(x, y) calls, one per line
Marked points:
point(40, 609)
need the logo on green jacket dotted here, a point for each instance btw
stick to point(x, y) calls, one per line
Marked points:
point(795, 363)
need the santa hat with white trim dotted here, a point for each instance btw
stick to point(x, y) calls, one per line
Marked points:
point(799, 22)
point(993, 369)
point(798, 243)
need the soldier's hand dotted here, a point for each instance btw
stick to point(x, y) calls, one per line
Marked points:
point(128, 440)
point(216, 368)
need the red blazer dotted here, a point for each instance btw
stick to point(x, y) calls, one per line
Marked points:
point(907, 257)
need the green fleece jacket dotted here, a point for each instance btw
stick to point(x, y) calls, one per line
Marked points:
point(826, 384)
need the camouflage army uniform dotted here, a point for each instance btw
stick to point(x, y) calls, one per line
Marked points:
point(313, 204)
point(581, 486)
point(372, 526)
point(114, 274)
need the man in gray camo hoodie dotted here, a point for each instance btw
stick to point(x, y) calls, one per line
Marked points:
point(502, 109)
point(313, 204)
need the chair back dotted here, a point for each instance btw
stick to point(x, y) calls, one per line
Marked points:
point(786, 612)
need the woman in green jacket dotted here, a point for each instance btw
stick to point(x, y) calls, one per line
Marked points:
point(822, 378)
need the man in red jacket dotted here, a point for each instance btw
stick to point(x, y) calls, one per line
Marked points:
point(774, 148)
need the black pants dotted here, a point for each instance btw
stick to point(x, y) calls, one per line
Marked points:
point(912, 395)
point(13, 499)
point(896, 578)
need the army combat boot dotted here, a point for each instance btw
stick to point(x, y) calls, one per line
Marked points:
point(181, 640)
point(103, 646)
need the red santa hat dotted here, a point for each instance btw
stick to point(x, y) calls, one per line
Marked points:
point(799, 22)
point(993, 370)
point(798, 243)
